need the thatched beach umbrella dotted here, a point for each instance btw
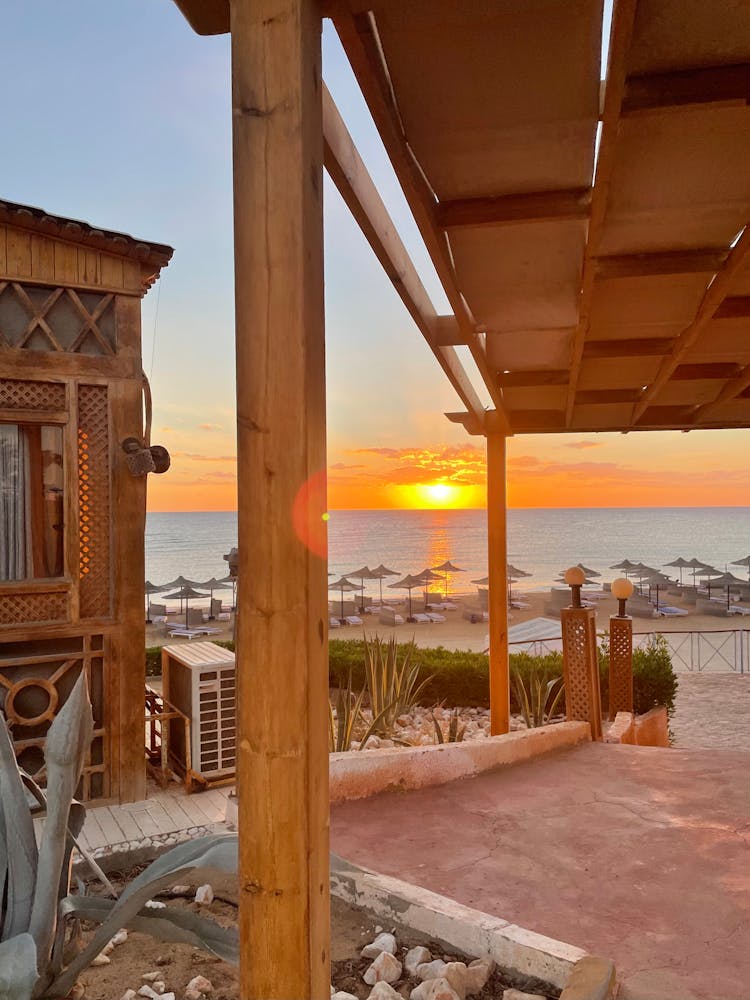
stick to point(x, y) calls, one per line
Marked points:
point(379, 574)
point(696, 564)
point(587, 571)
point(710, 573)
point(362, 574)
point(149, 589)
point(680, 564)
point(345, 586)
point(484, 582)
point(446, 568)
point(409, 582)
point(626, 566)
point(728, 580)
point(185, 594)
point(427, 576)
point(214, 584)
point(743, 562)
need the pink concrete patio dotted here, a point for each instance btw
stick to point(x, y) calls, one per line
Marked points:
point(634, 853)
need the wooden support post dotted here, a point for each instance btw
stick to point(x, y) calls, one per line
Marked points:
point(497, 544)
point(282, 641)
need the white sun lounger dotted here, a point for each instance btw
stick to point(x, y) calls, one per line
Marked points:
point(435, 617)
point(670, 612)
point(334, 623)
point(353, 620)
point(736, 610)
point(423, 619)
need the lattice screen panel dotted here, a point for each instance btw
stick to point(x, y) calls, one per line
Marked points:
point(18, 609)
point(18, 394)
point(36, 678)
point(94, 509)
point(35, 318)
point(581, 668)
point(620, 666)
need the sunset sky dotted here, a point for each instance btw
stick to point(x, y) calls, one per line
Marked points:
point(120, 116)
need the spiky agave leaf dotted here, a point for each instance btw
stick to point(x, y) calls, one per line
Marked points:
point(18, 974)
point(68, 739)
point(20, 843)
point(217, 852)
point(166, 923)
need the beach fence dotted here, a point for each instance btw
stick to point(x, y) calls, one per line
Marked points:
point(723, 651)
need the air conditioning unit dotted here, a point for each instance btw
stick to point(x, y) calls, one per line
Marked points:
point(199, 680)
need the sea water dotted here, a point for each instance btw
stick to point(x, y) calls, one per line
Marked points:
point(541, 542)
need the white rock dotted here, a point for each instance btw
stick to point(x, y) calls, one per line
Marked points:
point(430, 970)
point(150, 977)
point(383, 942)
point(478, 973)
point(101, 959)
point(343, 995)
point(383, 991)
point(204, 895)
point(146, 991)
point(159, 987)
point(456, 974)
point(156, 904)
point(520, 995)
point(108, 948)
point(119, 938)
point(180, 890)
point(386, 967)
point(434, 989)
point(168, 996)
point(378, 929)
point(129, 995)
point(333, 989)
point(415, 957)
point(201, 985)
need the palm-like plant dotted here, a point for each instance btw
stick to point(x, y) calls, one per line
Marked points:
point(538, 695)
point(36, 910)
point(455, 733)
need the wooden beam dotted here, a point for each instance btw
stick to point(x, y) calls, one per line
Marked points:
point(642, 265)
point(734, 307)
point(469, 423)
point(735, 388)
point(356, 187)
point(543, 206)
point(709, 85)
point(282, 640)
point(359, 37)
point(206, 17)
point(636, 347)
point(529, 379)
point(709, 370)
point(713, 297)
point(584, 396)
point(497, 558)
point(621, 33)
point(448, 332)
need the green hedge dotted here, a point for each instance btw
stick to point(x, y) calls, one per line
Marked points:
point(462, 678)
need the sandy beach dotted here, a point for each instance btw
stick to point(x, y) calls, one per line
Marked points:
point(456, 632)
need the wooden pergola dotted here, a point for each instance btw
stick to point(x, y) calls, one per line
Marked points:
point(590, 238)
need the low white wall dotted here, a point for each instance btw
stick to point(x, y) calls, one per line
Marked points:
point(361, 773)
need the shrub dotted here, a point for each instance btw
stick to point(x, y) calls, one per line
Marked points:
point(654, 679)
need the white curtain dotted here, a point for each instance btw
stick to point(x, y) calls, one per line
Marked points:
point(15, 540)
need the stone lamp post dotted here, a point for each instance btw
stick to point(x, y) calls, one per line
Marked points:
point(580, 659)
point(621, 651)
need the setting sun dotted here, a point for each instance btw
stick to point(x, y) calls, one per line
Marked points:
point(440, 492)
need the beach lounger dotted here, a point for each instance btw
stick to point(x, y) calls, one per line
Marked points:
point(737, 610)
point(434, 616)
point(185, 633)
point(668, 611)
point(420, 618)
point(353, 620)
point(334, 623)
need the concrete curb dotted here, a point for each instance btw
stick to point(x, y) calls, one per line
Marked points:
point(361, 774)
point(471, 931)
point(592, 978)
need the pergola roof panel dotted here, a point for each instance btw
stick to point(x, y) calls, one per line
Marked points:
point(665, 300)
point(617, 373)
point(496, 98)
point(521, 277)
point(524, 350)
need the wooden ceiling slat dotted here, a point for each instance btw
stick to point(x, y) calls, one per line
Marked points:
point(715, 294)
point(606, 396)
point(632, 348)
point(708, 85)
point(525, 379)
point(668, 262)
point(717, 370)
point(621, 34)
point(734, 307)
point(544, 206)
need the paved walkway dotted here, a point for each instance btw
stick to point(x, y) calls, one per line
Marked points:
point(634, 853)
point(712, 711)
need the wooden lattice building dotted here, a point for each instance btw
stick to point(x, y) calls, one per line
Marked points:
point(72, 514)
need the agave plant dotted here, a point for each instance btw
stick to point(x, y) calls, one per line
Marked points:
point(538, 695)
point(38, 956)
point(347, 719)
point(455, 733)
point(394, 688)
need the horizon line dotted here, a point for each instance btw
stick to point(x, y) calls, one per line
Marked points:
point(401, 510)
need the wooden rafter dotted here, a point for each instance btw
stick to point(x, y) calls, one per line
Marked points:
point(543, 206)
point(708, 85)
point(350, 175)
point(359, 37)
point(623, 20)
point(713, 297)
point(643, 265)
